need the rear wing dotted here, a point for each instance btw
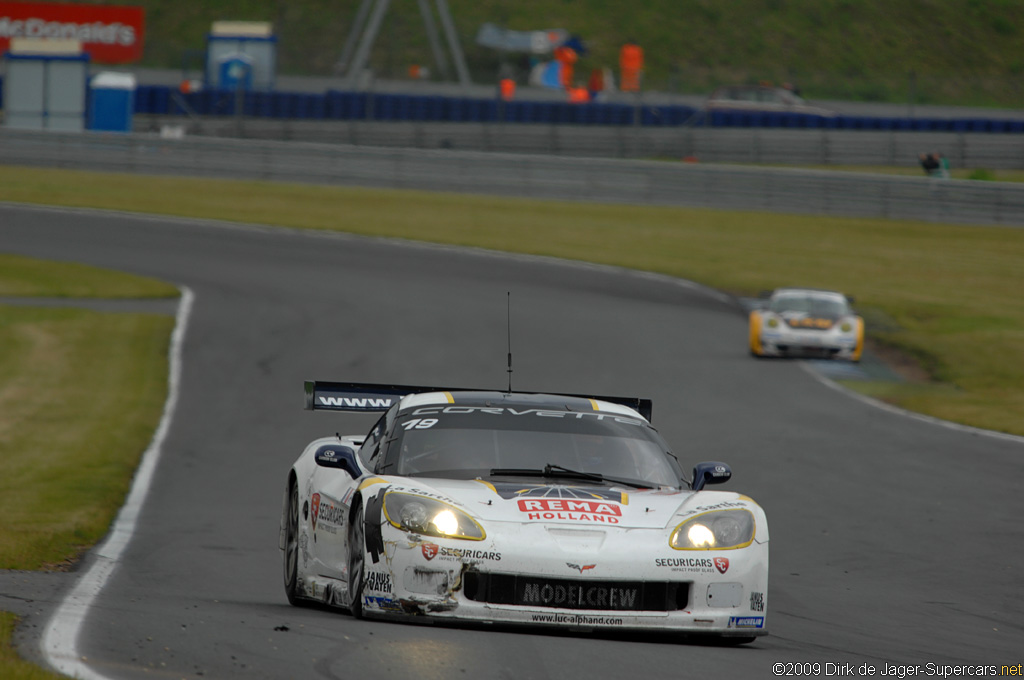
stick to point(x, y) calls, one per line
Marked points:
point(370, 397)
point(348, 396)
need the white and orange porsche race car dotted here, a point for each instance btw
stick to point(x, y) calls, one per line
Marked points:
point(519, 508)
point(806, 322)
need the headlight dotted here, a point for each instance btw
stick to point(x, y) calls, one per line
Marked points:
point(773, 322)
point(422, 515)
point(716, 530)
point(846, 327)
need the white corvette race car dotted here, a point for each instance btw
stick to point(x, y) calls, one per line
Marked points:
point(806, 322)
point(537, 509)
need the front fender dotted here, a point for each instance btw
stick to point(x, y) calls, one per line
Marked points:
point(755, 333)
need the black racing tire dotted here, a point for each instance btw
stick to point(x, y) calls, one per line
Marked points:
point(291, 545)
point(356, 562)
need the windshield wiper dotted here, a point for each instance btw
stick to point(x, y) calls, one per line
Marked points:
point(564, 472)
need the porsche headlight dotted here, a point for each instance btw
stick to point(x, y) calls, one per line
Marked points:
point(773, 322)
point(846, 327)
point(422, 515)
point(716, 530)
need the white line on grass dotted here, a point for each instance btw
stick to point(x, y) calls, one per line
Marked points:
point(60, 640)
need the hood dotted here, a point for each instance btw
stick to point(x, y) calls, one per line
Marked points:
point(569, 504)
point(803, 320)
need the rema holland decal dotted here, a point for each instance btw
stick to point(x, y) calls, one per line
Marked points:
point(570, 509)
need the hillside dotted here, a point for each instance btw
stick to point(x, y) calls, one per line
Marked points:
point(960, 51)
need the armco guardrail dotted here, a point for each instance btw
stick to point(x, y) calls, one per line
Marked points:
point(715, 145)
point(536, 176)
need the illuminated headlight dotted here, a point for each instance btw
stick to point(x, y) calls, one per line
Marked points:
point(422, 515)
point(716, 530)
point(846, 327)
point(773, 322)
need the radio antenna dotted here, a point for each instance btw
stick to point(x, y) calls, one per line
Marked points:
point(508, 325)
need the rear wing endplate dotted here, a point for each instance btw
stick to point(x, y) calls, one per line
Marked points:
point(370, 397)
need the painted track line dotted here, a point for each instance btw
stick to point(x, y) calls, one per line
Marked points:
point(60, 639)
point(920, 417)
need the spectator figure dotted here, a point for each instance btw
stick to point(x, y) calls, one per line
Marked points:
point(631, 66)
point(596, 82)
point(507, 89)
point(566, 56)
point(929, 163)
point(578, 94)
point(943, 170)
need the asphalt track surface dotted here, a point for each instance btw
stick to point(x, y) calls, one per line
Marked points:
point(894, 541)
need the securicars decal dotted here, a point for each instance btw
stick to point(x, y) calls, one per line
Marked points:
point(701, 565)
point(432, 550)
point(327, 515)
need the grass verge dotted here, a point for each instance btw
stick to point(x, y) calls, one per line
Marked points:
point(81, 393)
point(31, 277)
point(12, 667)
point(949, 294)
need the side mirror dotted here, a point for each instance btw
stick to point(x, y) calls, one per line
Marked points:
point(341, 457)
point(710, 472)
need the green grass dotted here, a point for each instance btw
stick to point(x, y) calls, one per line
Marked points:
point(81, 393)
point(961, 51)
point(26, 276)
point(949, 293)
point(12, 667)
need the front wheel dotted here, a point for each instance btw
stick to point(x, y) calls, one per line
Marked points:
point(356, 558)
point(291, 546)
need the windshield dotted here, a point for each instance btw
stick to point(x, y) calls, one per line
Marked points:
point(814, 305)
point(468, 442)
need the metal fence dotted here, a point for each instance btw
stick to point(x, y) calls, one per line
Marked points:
point(784, 190)
point(466, 108)
point(716, 145)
